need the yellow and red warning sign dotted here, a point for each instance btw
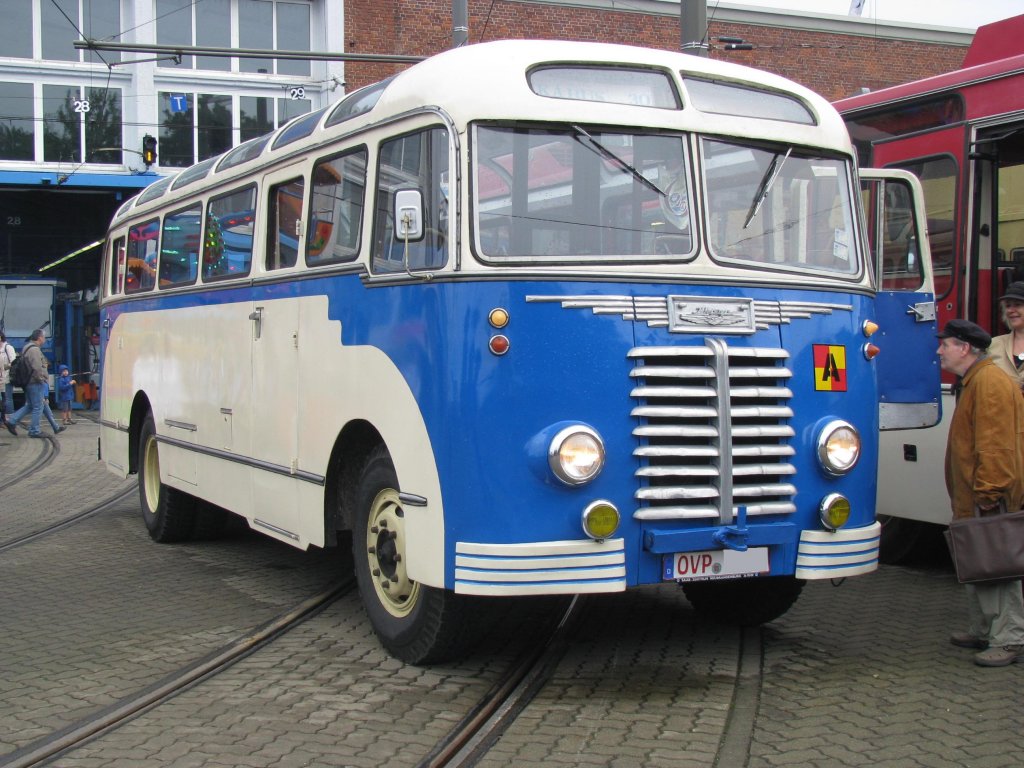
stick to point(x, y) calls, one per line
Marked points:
point(830, 367)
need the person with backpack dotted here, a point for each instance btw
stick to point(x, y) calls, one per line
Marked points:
point(6, 358)
point(7, 355)
point(32, 358)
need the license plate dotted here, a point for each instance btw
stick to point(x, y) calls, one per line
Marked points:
point(715, 564)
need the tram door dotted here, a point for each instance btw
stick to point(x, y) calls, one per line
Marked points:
point(996, 251)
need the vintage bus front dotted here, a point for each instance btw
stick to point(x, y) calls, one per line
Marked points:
point(667, 371)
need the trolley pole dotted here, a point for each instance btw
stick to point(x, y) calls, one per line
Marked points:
point(693, 24)
point(460, 23)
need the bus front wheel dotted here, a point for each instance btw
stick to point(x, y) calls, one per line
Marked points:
point(746, 602)
point(415, 623)
point(169, 514)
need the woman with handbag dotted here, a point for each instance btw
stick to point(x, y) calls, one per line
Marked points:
point(985, 474)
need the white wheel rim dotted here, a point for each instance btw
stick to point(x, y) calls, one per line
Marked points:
point(386, 555)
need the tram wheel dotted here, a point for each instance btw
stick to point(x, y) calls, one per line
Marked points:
point(746, 602)
point(169, 514)
point(415, 623)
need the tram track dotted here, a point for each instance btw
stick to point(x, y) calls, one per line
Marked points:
point(470, 739)
point(49, 449)
point(96, 509)
point(110, 718)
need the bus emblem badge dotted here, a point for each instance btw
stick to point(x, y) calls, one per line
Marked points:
point(830, 367)
point(691, 314)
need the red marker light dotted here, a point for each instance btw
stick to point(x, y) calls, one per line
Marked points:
point(871, 351)
point(499, 344)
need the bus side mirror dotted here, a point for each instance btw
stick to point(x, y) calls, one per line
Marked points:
point(409, 214)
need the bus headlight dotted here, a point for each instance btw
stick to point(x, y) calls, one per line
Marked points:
point(576, 455)
point(838, 447)
point(834, 511)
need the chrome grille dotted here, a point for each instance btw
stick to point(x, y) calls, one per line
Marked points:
point(712, 431)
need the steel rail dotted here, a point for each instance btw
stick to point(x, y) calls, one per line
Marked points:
point(129, 707)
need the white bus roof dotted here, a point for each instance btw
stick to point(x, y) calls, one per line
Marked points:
point(488, 81)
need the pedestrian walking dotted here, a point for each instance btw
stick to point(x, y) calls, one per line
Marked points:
point(33, 355)
point(985, 475)
point(1007, 351)
point(7, 355)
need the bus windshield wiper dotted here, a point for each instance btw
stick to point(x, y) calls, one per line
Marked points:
point(770, 174)
point(607, 153)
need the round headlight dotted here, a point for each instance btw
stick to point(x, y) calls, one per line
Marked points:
point(576, 455)
point(838, 447)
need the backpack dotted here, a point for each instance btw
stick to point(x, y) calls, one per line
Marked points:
point(20, 373)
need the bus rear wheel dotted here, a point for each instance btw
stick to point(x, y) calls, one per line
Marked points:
point(415, 623)
point(745, 602)
point(169, 514)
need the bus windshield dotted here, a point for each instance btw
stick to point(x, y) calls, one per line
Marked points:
point(583, 195)
point(575, 194)
point(777, 207)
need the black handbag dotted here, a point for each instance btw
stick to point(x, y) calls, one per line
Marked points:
point(987, 549)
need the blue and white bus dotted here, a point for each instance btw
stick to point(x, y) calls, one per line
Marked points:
point(528, 318)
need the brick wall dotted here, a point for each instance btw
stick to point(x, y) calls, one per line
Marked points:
point(833, 65)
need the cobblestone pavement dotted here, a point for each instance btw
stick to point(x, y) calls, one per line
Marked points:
point(859, 675)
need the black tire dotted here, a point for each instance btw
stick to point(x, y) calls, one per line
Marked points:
point(211, 522)
point(169, 514)
point(746, 602)
point(415, 623)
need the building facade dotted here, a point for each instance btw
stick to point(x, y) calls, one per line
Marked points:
point(75, 119)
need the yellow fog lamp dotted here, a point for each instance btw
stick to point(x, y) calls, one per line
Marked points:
point(600, 519)
point(834, 511)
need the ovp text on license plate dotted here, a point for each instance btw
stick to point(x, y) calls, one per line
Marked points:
point(715, 564)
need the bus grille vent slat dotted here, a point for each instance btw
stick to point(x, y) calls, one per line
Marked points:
point(712, 432)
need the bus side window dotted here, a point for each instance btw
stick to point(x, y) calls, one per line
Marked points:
point(141, 257)
point(939, 180)
point(285, 223)
point(336, 209)
point(416, 161)
point(179, 247)
point(228, 236)
point(117, 257)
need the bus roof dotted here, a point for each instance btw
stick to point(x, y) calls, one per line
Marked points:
point(996, 51)
point(489, 81)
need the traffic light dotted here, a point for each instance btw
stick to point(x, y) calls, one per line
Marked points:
point(148, 150)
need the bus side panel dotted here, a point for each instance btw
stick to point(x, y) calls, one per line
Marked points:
point(115, 403)
point(192, 365)
point(344, 382)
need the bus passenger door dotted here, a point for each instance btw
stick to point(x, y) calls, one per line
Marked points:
point(275, 370)
point(908, 368)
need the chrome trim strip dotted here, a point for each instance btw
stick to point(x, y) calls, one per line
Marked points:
point(275, 529)
point(720, 365)
point(181, 425)
point(266, 466)
point(412, 500)
point(654, 310)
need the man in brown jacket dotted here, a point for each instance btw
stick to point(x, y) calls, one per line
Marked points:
point(985, 472)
